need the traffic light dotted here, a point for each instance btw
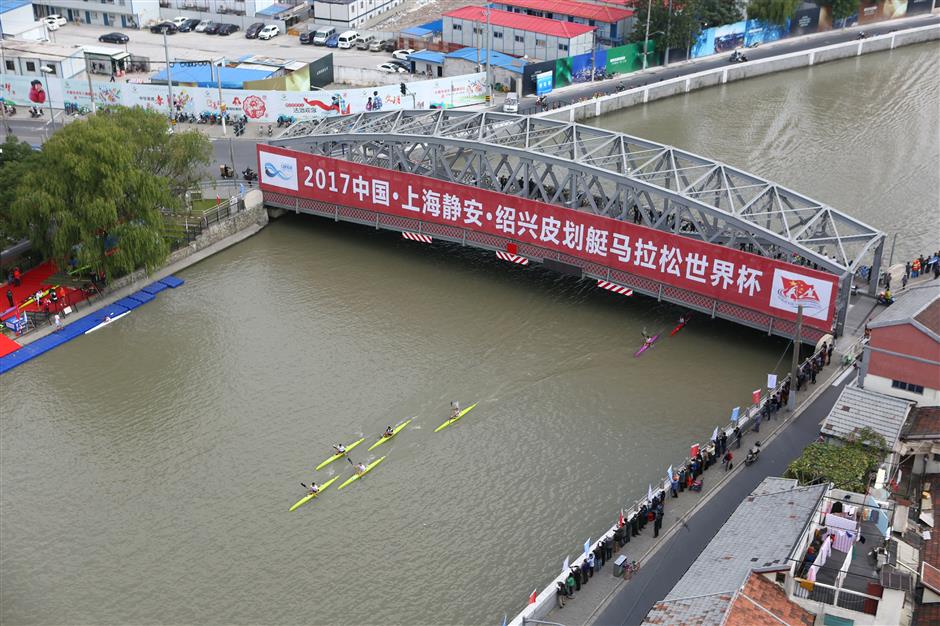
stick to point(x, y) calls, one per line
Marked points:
point(404, 89)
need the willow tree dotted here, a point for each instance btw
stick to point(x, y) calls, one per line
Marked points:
point(95, 193)
point(773, 11)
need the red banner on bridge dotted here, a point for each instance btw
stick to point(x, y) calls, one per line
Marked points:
point(749, 280)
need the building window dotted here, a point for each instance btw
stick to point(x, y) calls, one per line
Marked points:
point(520, 39)
point(51, 68)
point(9, 65)
point(30, 66)
point(563, 47)
point(936, 458)
point(497, 35)
point(458, 27)
point(903, 386)
point(477, 31)
point(539, 43)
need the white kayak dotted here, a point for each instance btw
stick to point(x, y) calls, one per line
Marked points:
point(107, 322)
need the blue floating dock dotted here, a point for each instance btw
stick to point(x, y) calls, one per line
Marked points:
point(81, 326)
point(155, 288)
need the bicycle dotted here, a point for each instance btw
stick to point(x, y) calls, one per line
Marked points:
point(630, 569)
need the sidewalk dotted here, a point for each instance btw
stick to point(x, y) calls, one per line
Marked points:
point(607, 600)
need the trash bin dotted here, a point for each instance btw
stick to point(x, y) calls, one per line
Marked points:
point(620, 563)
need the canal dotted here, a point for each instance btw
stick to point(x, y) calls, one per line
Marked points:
point(147, 469)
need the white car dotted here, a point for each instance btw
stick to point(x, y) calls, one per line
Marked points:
point(201, 26)
point(402, 55)
point(391, 68)
point(54, 21)
point(179, 21)
point(269, 31)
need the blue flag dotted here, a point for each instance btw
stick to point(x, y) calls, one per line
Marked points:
point(504, 619)
point(734, 414)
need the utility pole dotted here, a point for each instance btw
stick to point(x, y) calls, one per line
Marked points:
point(593, 53)
point(489, 45)
point(668, 27)
point(791, 402)
point(646, 40)
point(221, 102)
point(169, 73)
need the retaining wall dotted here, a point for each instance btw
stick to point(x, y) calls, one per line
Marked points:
point(721, 75)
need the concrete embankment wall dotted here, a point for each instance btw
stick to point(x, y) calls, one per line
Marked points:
point(719, 76)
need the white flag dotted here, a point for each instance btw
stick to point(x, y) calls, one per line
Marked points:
point(649, 493)
point(715, 434)
point(669, 474)
point(771, 381)
point(565, 567)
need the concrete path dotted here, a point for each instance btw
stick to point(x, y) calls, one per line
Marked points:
point(631, 600)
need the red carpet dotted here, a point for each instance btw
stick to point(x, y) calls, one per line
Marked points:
point(32, 281)
point(7, 345)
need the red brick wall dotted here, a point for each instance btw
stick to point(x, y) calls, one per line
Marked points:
point(905, 339)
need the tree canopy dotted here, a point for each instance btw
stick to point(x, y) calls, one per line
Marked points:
point(15, 156)
point(773, 11)
point(96, 190)
point(848, 466)
point(683, 27)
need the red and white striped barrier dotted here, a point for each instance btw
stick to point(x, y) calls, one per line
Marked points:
point(625, 291)
point(512, 258)
point(417, 237)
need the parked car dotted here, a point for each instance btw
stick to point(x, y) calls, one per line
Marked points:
point(179, 20)
point(404, 65)
point(202, 26)
point(54, 21)
point(269, 31)
point(332, 42)
point(511, 103)
point(391, 68)
point(227, 29)
point(164, 27)
point(189, 25)
point(252, 31)
point(306, 37)
point(402, 55)
point(322, 35)
point(348, 39)
point(212, 28)
point(364, 42)
point(114, 38)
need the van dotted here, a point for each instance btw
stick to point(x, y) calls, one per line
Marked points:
point(322, 34)
point(348, 39)
point(511, 103)
point(364, 42)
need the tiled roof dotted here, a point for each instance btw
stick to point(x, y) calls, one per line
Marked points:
point(860, 408)
point(759, 536)
point(574, 9)
point(910, 308)
point(500, 60)
point(924, 423)
point(518, 21)
point(763, 603)
point(929, 614)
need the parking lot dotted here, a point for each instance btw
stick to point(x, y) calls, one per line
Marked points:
point(194, 46)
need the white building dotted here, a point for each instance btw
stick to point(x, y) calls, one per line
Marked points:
point(17, 21)
point(24, 58)
point(350, 14)
point(113, 13)
point(516, 34)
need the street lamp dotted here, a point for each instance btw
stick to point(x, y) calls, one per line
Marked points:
point(46, 70)
point(646, 40)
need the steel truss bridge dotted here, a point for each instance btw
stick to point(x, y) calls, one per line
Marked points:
point(606, 173)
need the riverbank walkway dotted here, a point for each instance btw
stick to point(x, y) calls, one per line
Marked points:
point(692, 519)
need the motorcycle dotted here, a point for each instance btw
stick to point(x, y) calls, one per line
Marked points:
point(885, 299)
point(9, 109)
point(738, 57)
point(226, 172)
point(752, 454)
point(249, 175)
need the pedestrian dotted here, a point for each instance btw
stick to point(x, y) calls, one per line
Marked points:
point(16, 276)
point(737, 436)
point(657, 523)
point(38, 297)
point(561, 592)
point(729, 457)
point(904, 282)
point(10, 297)
point(674, 485)
point(635, 525)
point(57, 322)
point(682, 478)
point(813, 374)
point(907, 270)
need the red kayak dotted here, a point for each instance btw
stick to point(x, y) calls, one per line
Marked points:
point(680, 326)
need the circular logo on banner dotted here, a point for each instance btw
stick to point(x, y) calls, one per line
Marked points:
point(253, 107)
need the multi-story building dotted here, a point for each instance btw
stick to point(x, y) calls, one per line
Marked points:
point(115, 13)
point(902, 357)
point(350, 14)
point(516, 34)
point(613, 24)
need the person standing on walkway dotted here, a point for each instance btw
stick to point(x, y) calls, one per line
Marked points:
point(657, 522)
point(829, 354)
point(57, 322)
point(737, 437)
point(10, 298)
point(728, 460)
point(674, 485)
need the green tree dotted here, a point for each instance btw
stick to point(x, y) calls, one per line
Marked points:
point(15, 158)
point(718, 12)
point(682, 28)
point(842, 8)
point(773, 11)
point(97, 189)
point(848, 467)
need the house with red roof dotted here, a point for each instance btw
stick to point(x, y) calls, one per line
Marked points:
point(517, 34)
point(613, 23)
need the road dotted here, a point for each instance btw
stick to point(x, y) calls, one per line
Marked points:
point(664, 569)
point(576, 93)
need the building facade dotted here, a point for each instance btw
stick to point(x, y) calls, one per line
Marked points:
point(516, 34)
point(113, 13)
point(350, 14)
point(613, 24)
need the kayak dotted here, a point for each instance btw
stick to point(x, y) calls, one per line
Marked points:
point(340, 455)
point(310, 496)
point(395, 431)
point(368, 469)
point(110, 321)
point(646, 346)
point(459, 415)
point(680, 326)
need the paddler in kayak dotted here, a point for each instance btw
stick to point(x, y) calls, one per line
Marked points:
point(454, 409)
point(648, 341)
point(682, 320)
point(360, 468)
point(339, 448)
point(312, 489)
point(388, 432)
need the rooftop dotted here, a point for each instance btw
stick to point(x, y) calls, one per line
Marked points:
point(924, 423)
point(274, 9)
point(763, 603)
point(574, 9)
point(759, 536)
point(428, 56)
point(206, 76)
point(544, 26)
point(40, 49)
point(500, 60)
point(10, 5)
point(919, 306)
point(859, 408)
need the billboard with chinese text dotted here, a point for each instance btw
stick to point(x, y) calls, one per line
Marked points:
point(770, 286)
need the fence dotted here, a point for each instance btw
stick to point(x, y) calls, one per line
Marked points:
point(836, 596)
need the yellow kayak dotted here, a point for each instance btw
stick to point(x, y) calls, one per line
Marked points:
point(368, 469)
point(395, 431)
point(459, 415)
point(310, 496)
point(341, 455)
